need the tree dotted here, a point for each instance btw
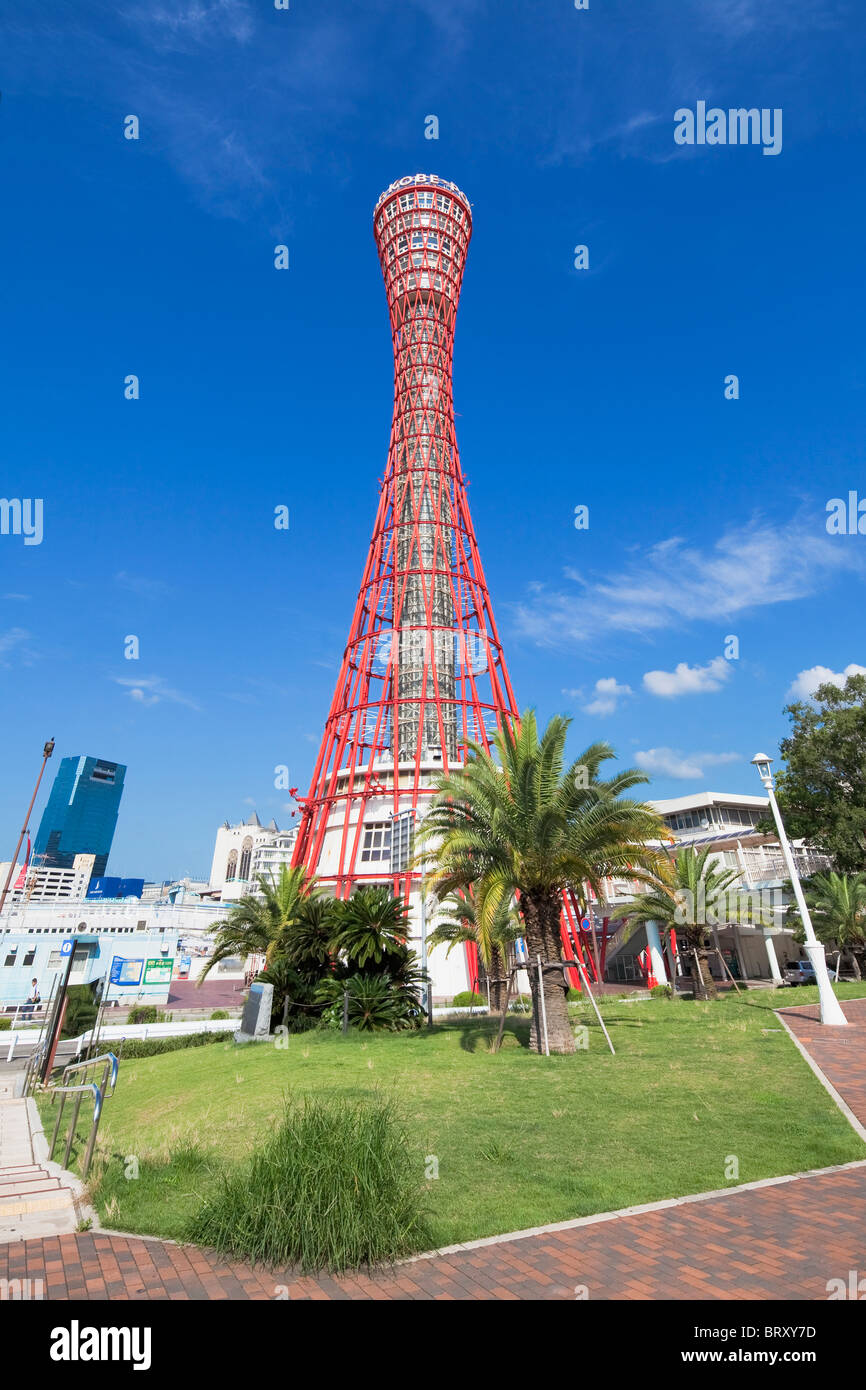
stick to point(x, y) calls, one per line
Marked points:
point(686, 894)
point(837, 906)
point(461, 925)
point(526, 826)
point(259, 922)
point(822, 788)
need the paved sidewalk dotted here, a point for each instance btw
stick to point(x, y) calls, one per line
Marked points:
point(744, 1245)
point(839, 1052)
point(781, 1239)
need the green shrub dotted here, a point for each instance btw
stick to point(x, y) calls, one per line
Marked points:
point(5, 1024)
point(151, 1047)
point(219, 1013)
point(467, 999)
point(143, 1013)
point(574, 996)
point(661, 992)
point(337, 1186)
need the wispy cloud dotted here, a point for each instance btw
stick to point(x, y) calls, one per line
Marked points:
point(755, 566)
point(186, 25)
point(138, 584)
point(153, 690)
point(805, 684)
point(221, 101)
point(11, 643)
point(670, 762)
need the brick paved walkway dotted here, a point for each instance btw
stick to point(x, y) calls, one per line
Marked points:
point(839, 1052)
point(781, 1240)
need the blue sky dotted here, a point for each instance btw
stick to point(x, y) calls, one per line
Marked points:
point(602, 387)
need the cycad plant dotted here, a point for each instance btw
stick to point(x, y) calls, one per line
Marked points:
point(367, 926)
point(525, 825)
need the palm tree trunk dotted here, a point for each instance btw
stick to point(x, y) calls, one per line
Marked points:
point(541, 920)
point(704, 986)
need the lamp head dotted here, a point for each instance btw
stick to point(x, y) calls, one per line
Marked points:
point(762, 763)
point(48, 749)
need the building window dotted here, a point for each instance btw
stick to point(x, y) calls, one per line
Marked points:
point(232, 866)
point(246, 854)
point(377, 843)
point(29, 956)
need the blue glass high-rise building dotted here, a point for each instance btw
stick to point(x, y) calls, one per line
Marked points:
point(81, 813)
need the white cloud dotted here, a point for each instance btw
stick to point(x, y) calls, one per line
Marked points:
point(756, 566)
point(669, 762)
point(150, 690)
point(688, 680)
point(137, 694)
point(607, 695)
point(805, 684)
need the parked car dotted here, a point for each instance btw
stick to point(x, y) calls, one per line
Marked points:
point(799, 972)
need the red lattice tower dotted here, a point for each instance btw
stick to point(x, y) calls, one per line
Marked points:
point(423, 671)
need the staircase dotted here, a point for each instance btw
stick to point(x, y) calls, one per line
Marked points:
point(37, 1197)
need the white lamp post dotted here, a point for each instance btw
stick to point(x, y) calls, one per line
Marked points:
point(831, 1010)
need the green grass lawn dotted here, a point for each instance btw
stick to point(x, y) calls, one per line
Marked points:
point(520, 1140)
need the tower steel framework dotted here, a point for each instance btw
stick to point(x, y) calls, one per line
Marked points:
point(423, 672)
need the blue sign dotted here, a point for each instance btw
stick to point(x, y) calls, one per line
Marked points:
point(126, 972)
point(115, 888)
point(66, 947)
point(185, 963)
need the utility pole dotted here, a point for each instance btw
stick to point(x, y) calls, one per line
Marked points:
point(46, 754)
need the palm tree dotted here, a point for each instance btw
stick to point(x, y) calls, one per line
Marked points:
point(257, 923)
point(461, 925)
point(685, 894)
point(526, 826)
point(837, 906)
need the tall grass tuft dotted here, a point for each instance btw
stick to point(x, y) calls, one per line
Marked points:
point(337, 1186)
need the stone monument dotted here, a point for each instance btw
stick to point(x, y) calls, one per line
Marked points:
point(256, 1017)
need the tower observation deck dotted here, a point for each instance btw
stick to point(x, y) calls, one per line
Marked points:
point(423, 673)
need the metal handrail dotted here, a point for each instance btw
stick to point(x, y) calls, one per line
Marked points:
point(32, 1066)
point(99, 1091)
point(109, 1057)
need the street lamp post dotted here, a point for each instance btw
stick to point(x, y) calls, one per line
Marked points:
point(831, 1009)
point(46, 754)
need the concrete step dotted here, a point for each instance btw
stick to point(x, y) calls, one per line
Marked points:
point(21, 1186)
point(58, 1199)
